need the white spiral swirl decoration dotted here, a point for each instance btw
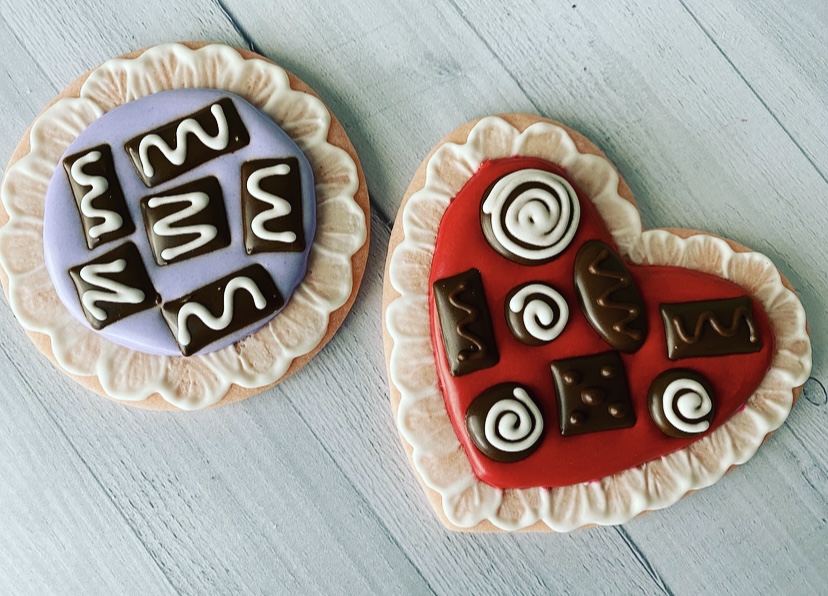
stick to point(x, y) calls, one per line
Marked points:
point(514, 425)
point(687, 405)
point(534, 214)
point(540, 319)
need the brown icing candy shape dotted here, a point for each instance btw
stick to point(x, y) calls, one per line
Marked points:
point(545, 308)
point(530, 216)
point(609, 297)
point(681, 403)
point(98, 195)
point(710, 328)
point(224, 306)
point(179, 146)
point(271, 194)
point(504, 423)
point(593, 394)
point(465, 323)
point(114, 286)
point(186, 221)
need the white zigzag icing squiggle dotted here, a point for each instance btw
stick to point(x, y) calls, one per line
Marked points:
point(164, 226)
point(213, 322)
point(113, 291)
point(179, 154)
point(111, 220)
point(279, 207)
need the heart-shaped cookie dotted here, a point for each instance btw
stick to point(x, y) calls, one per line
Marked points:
point(552, 364)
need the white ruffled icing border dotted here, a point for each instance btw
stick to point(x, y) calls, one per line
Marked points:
point(423, 421)
point(262, 358)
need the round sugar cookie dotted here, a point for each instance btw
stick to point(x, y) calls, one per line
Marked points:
point(552, 364)
point(183, 226)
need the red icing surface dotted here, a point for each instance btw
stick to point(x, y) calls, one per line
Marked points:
point(559, 460)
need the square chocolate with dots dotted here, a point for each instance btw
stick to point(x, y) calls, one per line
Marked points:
point(593, 394)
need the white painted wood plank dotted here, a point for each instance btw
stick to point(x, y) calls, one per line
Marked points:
point(59, 532)
point(781, 49)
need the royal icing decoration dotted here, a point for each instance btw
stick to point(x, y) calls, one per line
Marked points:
point(98, 195)
point(681, 403)
point(530, 216)
point(272, 206)
point(593, 394)
point(594, 376)
point(611, 300)
point(113, 286)
point(505, 423)
point(536, 313)
point(186, 221)
point(181, 145)
point(710, 328)
point(465, 323)
point(232, 302)
point(136, 357)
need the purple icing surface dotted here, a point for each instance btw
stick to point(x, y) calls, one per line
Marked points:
point(64, 242)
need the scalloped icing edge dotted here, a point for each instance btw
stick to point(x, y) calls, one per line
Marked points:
point(265, 356)
point(422, 420)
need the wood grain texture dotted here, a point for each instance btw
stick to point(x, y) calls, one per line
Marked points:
point(714, 114)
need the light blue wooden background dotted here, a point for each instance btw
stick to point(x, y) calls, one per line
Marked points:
point(717, 115)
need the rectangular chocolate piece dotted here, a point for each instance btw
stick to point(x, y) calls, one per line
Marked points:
point(465, 323)
point(179, 146)
point(271, 191)
point(186, 221)
point(593, 394)
point(114, 286)
point(98, 195)
point(222, 308)
point(710, 328)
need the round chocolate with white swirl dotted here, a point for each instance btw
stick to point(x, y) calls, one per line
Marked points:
point(681, 403)
point(504, 423)
point(536, 313)
point(530, 216)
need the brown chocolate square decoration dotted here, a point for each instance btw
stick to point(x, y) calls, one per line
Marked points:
point(465, 323)
point(593, 394)
point(109, 270)
point(244, 308)
point(198, 153)
point(111, 199)
point(166, 210)
point(266, 184)
point(710, 328)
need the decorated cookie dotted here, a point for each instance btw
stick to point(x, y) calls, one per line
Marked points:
point(554, 365)
point(183, 226)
